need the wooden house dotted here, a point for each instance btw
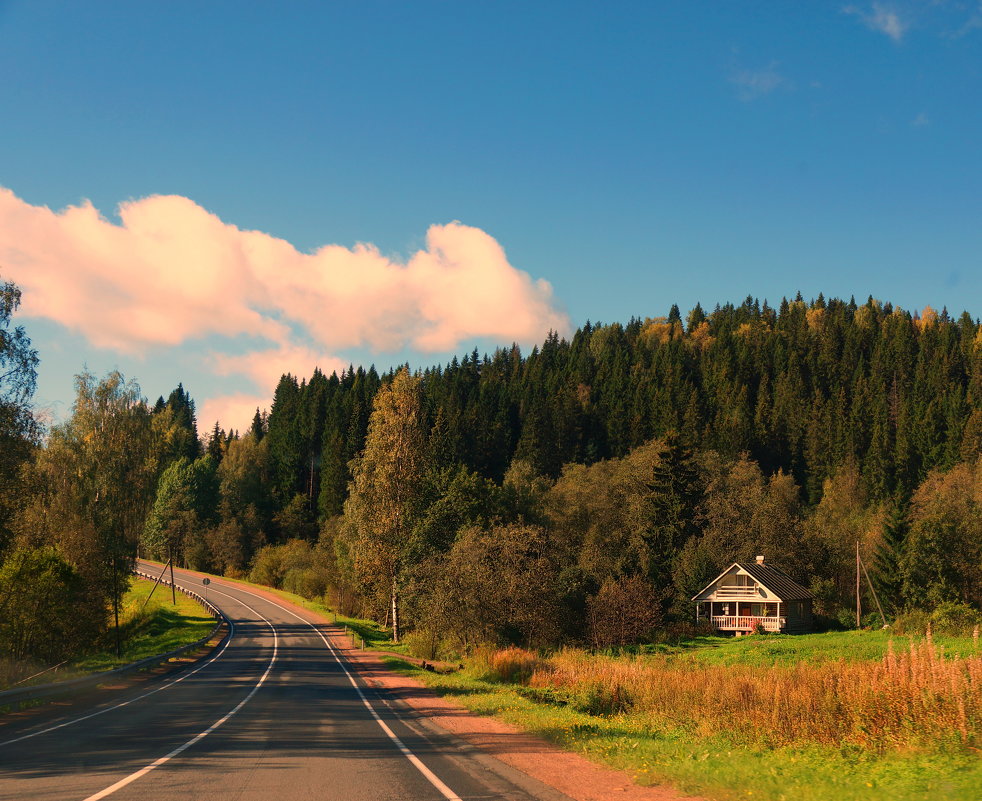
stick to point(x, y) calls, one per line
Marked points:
point(749, 596)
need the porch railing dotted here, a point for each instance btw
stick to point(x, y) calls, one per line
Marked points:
point(737, 592)
point(746, 622)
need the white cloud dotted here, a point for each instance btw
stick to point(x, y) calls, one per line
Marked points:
point(171, 272)
point(883, 18)
point(921, 120)
point(752, 84)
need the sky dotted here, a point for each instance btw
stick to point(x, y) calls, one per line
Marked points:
point(218, 193)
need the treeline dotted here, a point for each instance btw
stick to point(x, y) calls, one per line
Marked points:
point(804, 388)
point(629, 465)
point(582, 492)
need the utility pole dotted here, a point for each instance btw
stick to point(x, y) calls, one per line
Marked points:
point(116, 605)
point(173, 591)
point(872, 589)
point(859, 603)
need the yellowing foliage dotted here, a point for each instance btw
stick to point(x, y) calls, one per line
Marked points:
point(864, 317)
point(658, 331)
point(700, 336)
point(815, 319)
point(929, 318)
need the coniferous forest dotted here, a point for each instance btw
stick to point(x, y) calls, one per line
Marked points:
point(581, 492)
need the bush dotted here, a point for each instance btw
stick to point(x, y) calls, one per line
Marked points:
point(954, 617)
point(307, 582)
point(623, 612)
point(913, 622)
point(602, 698)
point(422, 643)
point(45, 611)
point(267, 567)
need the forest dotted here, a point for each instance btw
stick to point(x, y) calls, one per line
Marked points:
point(580, 493)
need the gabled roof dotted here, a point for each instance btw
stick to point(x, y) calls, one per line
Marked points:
point(774, 579)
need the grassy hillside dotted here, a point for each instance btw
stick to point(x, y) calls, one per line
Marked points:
point(146, 629)
point(149, 628)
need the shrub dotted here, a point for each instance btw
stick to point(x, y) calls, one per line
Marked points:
point(623, 612)
point(45, 611)
point(954, 617)
point(307, 582)
point(267, 567)
point(509, 666)
point(422, 643)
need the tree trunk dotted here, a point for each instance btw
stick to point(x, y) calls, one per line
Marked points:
point(116, 606)
point(395, 611)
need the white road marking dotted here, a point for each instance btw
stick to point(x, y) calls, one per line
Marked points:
point(73, 721)
point(433, 779)
point(181, 748)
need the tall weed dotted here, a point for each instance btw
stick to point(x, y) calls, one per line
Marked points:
point(914, 697)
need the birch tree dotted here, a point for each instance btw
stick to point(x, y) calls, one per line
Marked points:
point(387, 487)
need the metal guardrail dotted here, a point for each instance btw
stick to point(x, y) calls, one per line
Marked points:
point(38, 692)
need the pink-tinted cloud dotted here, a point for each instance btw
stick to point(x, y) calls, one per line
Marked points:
point(170, 271)
point(232, 411)
point(265, 367)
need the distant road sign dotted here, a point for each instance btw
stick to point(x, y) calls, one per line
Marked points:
point(206, 581)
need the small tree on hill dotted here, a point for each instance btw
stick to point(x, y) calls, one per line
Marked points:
point(624, 611)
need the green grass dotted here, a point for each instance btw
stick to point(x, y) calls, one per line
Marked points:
point(765, 650)
point(374, 635)
point(146, 629)
point(714, 766)
point(150, 628)
point(156, 628)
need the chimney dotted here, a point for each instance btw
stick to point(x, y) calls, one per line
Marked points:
point(760, 560)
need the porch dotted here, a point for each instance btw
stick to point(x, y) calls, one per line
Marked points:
point(747, 623)
point(740, 616)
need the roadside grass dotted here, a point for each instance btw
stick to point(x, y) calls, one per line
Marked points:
point(372, 633)
point(149, 628)
point(717, 765)
point(705, 756)
point(146, 629)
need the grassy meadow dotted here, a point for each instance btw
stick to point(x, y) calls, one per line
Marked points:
point(845, 715)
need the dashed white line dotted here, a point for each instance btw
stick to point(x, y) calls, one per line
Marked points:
point(430, 776)
point(200, 736)
point(73, 721)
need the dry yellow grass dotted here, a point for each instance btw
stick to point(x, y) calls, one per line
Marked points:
point(914, 697)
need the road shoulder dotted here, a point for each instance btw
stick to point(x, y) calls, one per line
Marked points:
point(569, 773)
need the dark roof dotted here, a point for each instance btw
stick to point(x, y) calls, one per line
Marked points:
point(785, 587)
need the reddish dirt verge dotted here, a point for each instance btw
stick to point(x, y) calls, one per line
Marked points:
point(567, 772)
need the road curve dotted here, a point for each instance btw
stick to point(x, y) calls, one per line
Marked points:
point(275, 714)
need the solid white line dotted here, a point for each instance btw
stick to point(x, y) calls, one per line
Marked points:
point(167, 757)
point(433, 779)
point(73, 721)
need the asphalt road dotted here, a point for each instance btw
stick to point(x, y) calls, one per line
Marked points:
point(274, 714)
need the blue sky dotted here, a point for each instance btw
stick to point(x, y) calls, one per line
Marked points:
point(632, 155)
